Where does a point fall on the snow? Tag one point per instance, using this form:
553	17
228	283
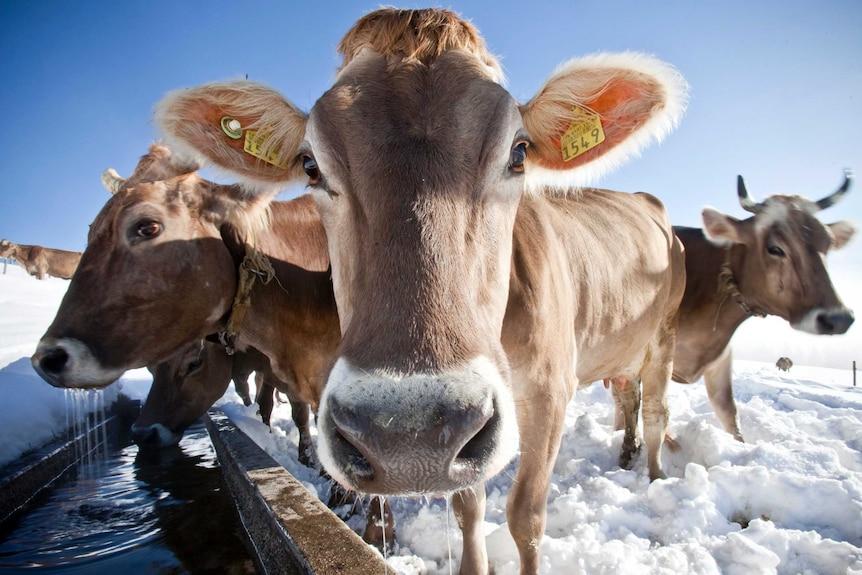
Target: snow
789	500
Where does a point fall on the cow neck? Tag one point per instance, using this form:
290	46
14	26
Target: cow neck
254	265
728	286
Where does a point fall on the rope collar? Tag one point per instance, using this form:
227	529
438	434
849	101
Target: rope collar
254	265
729	286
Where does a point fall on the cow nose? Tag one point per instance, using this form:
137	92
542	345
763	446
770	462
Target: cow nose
420	434
50	363
834	322
146	435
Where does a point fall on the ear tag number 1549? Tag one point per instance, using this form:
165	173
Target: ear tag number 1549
585	131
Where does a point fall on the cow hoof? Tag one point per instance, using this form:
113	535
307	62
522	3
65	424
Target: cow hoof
306	457
628	455
657	475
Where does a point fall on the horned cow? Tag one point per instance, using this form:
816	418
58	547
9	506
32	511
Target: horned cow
772	263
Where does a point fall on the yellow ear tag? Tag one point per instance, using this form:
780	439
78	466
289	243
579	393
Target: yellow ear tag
254	144
585	131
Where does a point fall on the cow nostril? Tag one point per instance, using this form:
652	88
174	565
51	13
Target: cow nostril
54	360
480	444
355	465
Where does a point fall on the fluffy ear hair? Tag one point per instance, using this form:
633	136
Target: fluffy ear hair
720	229
842	233
638	99
196	122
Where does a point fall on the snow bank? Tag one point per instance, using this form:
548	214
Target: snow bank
787	501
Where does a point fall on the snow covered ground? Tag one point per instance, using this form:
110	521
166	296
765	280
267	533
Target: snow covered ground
787	501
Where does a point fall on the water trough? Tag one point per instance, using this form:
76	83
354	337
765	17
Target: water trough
290	529
22	480
287	529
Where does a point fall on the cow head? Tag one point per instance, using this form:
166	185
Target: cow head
783	249
155	259
184	387
417	158
8	249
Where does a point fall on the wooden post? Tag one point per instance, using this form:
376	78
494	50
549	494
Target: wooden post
854	373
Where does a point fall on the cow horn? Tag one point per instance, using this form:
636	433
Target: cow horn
835	196
112	180
746	201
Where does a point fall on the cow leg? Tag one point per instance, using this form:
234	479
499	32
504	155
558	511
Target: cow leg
265	400
300	413
627	402
719	388
656	373
469	507
240	384
541	423
379	525
619	411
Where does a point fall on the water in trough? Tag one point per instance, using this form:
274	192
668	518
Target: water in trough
125	510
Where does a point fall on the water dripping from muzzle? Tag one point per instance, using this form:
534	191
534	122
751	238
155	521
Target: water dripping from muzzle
448	530
86	429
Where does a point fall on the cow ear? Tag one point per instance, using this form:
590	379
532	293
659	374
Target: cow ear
720	229
842	233
242	127
596	113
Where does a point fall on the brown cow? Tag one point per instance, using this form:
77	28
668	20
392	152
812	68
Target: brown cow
114	317
39	261
186	385
769	264
465	327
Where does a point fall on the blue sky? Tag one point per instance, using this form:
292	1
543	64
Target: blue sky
776	90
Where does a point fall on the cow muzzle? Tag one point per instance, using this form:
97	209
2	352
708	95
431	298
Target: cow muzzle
832	321
419	434
155	435
69	363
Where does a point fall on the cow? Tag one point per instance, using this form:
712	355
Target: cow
186	385
772	263
466	329
114	318
39	261
784	363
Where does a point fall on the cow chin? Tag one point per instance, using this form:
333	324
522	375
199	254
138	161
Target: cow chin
821	321
69	363
418	434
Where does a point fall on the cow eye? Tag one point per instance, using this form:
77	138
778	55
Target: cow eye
148	229
194	365
311	169
776	251
519	157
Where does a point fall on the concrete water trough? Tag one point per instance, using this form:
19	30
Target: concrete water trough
290	529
